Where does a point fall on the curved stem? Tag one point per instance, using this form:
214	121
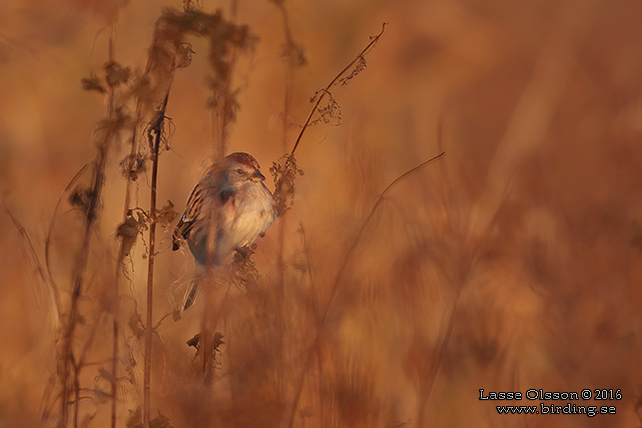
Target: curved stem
335	284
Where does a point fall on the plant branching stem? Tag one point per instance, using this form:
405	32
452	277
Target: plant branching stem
326	90
80	268
78	275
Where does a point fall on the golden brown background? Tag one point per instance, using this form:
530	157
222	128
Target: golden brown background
515	262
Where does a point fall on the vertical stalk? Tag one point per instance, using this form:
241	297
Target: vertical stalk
155	134
79	274
115	303
98	180
150	285
150	282
221	117
287	103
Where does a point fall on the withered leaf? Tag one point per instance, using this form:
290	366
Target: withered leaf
92	83
116	74
166	214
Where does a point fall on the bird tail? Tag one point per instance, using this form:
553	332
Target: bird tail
191	294
176	239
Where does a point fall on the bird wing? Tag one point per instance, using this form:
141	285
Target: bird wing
192	210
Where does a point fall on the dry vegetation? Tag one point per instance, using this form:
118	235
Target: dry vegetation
396	282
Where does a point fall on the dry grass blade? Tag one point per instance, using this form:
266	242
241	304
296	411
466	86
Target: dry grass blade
53	220
335	285
54	293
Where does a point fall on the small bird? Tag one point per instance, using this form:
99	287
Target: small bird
228	209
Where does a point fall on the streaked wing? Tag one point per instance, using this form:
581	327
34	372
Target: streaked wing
192	210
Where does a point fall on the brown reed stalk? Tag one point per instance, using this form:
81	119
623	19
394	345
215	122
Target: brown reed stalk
293	57
115	303
155	135
335	285
126	232
317	318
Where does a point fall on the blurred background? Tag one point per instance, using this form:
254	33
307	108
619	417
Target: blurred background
514	262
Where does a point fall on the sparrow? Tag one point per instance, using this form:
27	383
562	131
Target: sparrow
228	209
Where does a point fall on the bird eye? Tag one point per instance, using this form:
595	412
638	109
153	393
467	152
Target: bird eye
239	171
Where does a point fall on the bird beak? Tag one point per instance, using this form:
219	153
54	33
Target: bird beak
257	176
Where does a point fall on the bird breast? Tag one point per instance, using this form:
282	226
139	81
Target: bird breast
254	211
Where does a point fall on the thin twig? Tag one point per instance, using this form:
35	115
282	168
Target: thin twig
326	90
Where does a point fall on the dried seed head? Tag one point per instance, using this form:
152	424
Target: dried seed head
133	165
284	171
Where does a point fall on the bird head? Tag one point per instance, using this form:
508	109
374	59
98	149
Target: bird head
241	168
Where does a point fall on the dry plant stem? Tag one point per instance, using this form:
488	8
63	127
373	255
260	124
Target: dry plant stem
115	302
50	231
220	120
79	363
428	383
214	303
121	254
77	369
98	181
114	364
155	133
209	307
117	273
335	284
78	274
326	90
316	347
287	102
316	300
